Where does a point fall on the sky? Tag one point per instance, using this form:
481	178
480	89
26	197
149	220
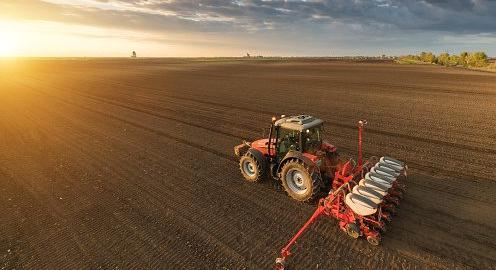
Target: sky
182	28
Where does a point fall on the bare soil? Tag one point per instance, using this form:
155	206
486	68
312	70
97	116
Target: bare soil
120	163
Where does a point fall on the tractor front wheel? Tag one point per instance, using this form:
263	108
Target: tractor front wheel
374	240
252	169
352	230
300	181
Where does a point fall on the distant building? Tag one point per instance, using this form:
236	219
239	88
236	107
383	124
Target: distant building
248	55
133	55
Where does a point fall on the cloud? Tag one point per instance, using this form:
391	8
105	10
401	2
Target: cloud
457	16
276	23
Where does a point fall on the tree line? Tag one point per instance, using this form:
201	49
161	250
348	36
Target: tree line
464	59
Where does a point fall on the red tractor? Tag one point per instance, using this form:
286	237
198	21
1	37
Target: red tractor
295	153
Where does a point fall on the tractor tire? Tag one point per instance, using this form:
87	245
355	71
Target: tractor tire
374	240
301	182
252	169
352	230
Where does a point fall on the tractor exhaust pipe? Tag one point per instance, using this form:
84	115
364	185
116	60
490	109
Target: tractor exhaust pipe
273	121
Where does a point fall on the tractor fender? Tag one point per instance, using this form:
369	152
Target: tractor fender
294	155
240	150
259	156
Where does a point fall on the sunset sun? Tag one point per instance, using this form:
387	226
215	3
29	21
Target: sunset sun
8	40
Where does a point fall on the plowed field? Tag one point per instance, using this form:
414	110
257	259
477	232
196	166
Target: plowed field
120	163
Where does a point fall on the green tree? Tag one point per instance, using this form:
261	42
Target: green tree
477	59
427	57
463	59
454	60
443	59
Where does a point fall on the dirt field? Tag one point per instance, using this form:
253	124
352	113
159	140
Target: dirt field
108	163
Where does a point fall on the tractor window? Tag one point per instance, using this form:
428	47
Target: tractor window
287	140
312	139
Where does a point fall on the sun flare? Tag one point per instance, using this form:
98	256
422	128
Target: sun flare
8	40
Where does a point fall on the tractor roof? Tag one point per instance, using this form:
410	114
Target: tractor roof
299	122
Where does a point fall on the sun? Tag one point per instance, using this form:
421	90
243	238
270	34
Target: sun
7	48
8	40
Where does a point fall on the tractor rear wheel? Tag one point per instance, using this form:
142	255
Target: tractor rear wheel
300	181
252	169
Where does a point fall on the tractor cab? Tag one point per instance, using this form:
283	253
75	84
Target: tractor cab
301	133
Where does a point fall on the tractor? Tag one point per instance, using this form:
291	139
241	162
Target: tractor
295	153
363	196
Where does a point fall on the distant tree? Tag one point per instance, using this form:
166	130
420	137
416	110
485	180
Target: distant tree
477	59
443	59
411	57
453	60
463	59
133	55
423	56
427	57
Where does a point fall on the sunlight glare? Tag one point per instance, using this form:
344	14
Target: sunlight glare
8	39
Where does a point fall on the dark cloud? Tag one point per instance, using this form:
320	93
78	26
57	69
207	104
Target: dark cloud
456	16
459	16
